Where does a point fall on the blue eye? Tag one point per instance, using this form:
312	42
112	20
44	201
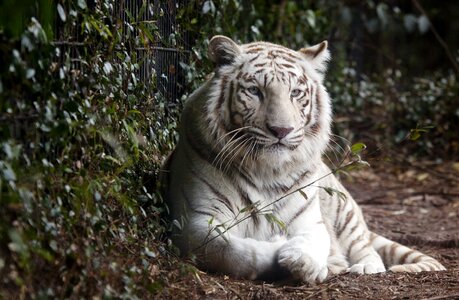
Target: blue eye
254	91
295	93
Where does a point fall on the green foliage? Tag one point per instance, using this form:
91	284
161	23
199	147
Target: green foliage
82	140
392	109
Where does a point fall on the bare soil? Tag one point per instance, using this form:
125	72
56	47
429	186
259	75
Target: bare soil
417	206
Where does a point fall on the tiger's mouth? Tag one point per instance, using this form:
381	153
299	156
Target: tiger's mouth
276	146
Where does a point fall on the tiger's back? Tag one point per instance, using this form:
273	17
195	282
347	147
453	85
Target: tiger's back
246	178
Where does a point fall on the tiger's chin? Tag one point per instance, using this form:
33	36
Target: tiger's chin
275	154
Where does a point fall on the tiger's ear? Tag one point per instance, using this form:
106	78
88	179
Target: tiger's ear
318	55
223	50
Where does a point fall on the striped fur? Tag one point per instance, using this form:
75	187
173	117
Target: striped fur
255	133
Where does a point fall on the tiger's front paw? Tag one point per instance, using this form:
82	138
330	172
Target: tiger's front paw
293	257
367	268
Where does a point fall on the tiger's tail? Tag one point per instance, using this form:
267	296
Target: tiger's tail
399	258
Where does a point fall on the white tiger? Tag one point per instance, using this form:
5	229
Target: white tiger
252	134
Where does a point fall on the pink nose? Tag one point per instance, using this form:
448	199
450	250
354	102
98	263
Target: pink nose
280	132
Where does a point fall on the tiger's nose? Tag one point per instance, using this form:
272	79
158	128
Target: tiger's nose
280	132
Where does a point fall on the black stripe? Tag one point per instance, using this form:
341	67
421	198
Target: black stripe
221	97
300	177
338	210
403	258
222	198
353	229
199	147
260	64
289	59
288	65
361	258
254	50
348	219
393	247
299	212
203	213
255	57
353	243
217	209
246	177
244	197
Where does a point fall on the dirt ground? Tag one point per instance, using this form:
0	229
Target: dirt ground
417	206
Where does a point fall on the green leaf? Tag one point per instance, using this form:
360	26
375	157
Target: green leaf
331	191
221	233
274	220
305	196
357	148
416	133
211	220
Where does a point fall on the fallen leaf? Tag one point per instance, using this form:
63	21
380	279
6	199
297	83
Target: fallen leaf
422	176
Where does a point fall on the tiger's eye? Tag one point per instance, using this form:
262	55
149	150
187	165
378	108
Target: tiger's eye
254	91
295	93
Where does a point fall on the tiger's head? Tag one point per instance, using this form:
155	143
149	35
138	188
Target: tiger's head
268	100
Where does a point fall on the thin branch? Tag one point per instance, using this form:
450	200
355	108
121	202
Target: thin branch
249	215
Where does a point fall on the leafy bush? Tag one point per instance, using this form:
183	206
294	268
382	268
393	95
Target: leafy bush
82	142
385	109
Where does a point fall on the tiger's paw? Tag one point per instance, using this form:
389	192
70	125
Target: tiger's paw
367	268
302	266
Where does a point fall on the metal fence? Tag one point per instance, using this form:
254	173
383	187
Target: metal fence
158	61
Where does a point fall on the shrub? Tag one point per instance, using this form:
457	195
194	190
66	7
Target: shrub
82	142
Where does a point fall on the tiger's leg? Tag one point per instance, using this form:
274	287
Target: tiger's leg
228	253
337	262
354	238
306	252
399	258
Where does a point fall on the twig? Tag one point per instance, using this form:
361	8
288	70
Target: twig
220	286
437	36
235	292
297	288
321	291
